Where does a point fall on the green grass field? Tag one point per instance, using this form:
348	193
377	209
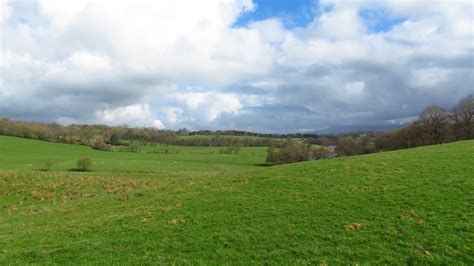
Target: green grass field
25	154
200	207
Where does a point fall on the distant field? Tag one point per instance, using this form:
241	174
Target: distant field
199	207
25	154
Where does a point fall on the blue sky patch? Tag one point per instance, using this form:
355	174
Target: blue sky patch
379	20
293	13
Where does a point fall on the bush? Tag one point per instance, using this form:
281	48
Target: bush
98	143
134	147
114	139
293	152
232	149
48	165
322	153
84	164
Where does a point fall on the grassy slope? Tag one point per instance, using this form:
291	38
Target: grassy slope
411	206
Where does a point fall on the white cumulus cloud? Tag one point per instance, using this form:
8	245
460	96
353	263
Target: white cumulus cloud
138	115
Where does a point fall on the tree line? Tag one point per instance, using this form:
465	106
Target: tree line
97	136
103	137
185	132
228	141
435	125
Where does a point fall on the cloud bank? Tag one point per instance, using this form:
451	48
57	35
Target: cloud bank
177	63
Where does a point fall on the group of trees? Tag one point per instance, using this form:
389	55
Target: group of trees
185	132
96	136
294	151
435	125
103	137
228	141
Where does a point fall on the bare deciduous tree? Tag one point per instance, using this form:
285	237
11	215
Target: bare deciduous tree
463	116
434	121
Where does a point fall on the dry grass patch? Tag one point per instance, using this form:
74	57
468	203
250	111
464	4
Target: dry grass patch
60	187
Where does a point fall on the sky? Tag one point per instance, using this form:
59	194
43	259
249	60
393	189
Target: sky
264	65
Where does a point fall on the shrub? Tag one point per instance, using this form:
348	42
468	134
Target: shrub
293	152
133	147
322	153
98	143
114	139
232	149
84	164
48	164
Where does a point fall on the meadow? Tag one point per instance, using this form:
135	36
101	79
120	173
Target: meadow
26	154
198	206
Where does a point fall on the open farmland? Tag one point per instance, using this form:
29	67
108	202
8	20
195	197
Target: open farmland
25	154
237	132
199	206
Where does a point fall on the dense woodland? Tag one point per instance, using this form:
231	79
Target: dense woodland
435	125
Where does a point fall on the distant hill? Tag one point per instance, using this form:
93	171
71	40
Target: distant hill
341	129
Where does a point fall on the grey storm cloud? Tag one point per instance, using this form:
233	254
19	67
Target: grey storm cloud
270	118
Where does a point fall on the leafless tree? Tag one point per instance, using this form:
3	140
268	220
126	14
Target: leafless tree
434	121
463	116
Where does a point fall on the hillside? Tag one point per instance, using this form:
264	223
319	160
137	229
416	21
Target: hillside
411	206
